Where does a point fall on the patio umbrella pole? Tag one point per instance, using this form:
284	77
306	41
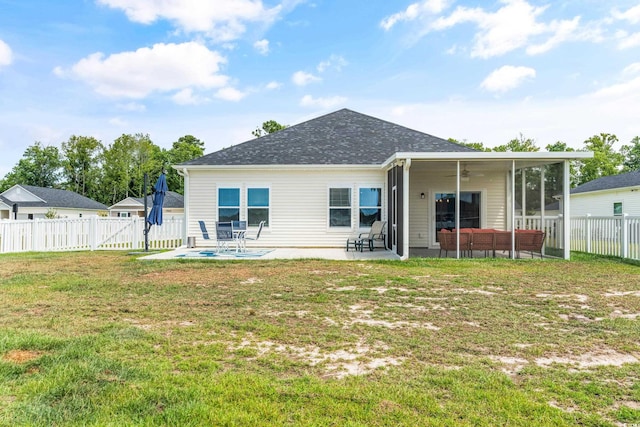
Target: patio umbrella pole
146	223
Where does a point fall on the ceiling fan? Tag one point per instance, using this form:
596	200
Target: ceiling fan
465	174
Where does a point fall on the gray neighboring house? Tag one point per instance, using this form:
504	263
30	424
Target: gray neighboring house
317	182
607	196
33	202
173	206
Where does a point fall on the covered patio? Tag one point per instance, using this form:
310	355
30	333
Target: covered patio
501	191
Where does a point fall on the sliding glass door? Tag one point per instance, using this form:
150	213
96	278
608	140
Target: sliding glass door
445	210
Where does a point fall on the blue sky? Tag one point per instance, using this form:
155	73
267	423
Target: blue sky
483	71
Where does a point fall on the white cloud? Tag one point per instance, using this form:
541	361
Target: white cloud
627	41
632	69
118	122
273	85
187	97
329	102
335	62
262	46
301	78
513	26
415	11
132	106
222	20
6	55
230	94
631	15
506	78
161	68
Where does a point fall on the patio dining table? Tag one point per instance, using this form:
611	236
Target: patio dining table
239	230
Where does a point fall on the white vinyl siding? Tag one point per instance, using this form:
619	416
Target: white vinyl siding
600	203
298	202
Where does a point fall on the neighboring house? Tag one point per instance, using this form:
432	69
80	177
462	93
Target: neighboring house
607	196
317	182
31	202
173	206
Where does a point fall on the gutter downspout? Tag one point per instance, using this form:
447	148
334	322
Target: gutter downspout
566	218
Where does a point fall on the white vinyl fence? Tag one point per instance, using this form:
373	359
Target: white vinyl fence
616	236
611	235
93	233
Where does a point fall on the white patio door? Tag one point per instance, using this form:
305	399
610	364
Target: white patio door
445	211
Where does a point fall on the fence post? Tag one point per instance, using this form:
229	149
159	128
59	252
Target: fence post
624	239
560	231
587	221
136	238
93	233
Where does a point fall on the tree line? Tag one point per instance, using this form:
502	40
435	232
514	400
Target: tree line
606	159
106	174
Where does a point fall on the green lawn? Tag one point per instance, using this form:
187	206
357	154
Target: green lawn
105	339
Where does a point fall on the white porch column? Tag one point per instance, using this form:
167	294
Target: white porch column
185	221
566	219
513	209
405	209
458	209
542	199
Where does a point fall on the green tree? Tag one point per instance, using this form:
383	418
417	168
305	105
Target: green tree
270	126
38	166
518	144
479	146
81	165
631	155
186	148
125	163
606	161
554	173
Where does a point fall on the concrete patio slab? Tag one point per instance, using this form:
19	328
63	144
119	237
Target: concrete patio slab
276	253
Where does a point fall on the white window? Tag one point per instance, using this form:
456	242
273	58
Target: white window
617	208
228	204
340	207
124	214
370	205
257	206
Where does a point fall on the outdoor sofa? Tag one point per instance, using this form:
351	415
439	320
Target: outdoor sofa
490	240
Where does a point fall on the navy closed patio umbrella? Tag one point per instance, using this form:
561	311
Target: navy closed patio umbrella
159	191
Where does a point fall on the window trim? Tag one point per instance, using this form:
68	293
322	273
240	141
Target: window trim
359	205
247	207
340	228
621	203
229	187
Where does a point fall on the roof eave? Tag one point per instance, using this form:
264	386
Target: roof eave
491	155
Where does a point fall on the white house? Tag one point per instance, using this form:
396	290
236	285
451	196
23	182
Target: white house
173	206
31	202
317	182
607	196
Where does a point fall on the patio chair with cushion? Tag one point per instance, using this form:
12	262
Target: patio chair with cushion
375	234
224	235
482	240
257	236
529	240
448	242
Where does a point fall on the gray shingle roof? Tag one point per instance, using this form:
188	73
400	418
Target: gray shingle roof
343	137
171	200
54	198
629	179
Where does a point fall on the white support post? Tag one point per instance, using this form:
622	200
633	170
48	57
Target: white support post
567	211
542	200
523	211
513	210
405	210
458	209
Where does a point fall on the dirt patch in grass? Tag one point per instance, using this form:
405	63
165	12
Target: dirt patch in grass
21	356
